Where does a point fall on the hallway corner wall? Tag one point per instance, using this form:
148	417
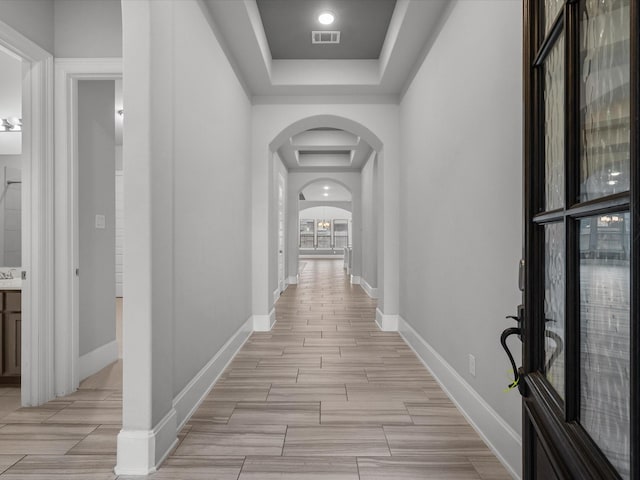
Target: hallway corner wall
187	217
461	209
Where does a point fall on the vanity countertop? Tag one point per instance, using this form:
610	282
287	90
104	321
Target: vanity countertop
14	283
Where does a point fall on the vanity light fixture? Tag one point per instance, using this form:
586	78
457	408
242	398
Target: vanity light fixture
10	124
326	18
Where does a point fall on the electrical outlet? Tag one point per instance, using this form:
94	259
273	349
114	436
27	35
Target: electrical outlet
472	365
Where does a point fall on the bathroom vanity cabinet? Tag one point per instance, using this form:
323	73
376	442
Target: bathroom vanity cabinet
10	336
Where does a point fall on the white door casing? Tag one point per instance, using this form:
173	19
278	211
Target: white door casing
281	233
37	216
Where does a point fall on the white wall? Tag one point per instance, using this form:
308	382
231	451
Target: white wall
370	223
32	18
87	28
96	196
461	201
325	213
187	220
269	122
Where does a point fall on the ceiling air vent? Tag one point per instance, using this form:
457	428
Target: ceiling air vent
325	36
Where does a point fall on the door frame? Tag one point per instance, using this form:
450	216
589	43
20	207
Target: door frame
68	71
282	235
37	376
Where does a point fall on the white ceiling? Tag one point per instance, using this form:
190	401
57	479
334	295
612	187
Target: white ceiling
238	26
325	150
362	25
315	192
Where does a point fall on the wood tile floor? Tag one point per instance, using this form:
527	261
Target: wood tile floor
324	396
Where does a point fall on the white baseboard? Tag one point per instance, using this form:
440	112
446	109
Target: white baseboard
140	452
355	279
264	323
292	280
191	396
385	322
97	359
503	440
371	291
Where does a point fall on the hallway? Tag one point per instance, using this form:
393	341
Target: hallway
325	394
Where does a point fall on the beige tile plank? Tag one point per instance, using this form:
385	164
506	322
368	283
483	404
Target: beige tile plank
224	440
307	393
430	439
435	414
8	460
197	468
364	413
82	412
297	468
63	467
335	441
414	468
101	441
489	468
276	413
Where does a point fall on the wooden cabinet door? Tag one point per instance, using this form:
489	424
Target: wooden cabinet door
11	343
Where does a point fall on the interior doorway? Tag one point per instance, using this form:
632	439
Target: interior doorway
96	214
92	83
281	234
11	162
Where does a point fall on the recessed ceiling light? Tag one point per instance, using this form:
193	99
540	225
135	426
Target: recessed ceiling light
612	182
615	174
326	187
326	194
326	18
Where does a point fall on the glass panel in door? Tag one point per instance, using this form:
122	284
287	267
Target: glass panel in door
604	98
554	126
554	300
551	10
605	335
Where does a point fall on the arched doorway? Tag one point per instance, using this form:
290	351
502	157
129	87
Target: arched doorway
328	148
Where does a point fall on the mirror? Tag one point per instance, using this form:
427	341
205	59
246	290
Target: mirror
11	217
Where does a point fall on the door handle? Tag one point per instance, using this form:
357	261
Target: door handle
503	341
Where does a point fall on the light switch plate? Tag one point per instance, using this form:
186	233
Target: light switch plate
101	222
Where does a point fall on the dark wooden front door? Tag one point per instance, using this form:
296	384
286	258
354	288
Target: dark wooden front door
581	240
